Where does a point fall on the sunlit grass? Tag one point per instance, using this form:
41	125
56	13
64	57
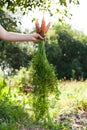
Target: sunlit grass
73	98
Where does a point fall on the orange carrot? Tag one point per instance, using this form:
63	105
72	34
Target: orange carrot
43	26
38	28
47	27
43	29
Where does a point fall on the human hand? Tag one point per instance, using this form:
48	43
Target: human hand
35	37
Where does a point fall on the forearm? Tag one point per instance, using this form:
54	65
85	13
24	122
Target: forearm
15	37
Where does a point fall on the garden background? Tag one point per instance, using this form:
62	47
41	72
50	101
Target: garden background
66	50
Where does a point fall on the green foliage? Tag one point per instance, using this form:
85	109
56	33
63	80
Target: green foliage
45	82
11	110
7	21
65	125
16	110
12	113
13	5
14	56
64	2
6	49
21	79
7	126
3	87
73	97
53	52
13	116
67	52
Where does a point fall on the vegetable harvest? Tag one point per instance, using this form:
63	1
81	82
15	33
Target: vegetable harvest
44	77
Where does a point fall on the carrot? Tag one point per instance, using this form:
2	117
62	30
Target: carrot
47	27
43	26
43	29
38	28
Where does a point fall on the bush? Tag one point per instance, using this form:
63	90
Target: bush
21	80
69	53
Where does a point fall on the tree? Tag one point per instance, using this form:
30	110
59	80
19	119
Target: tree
69	53
7	20
12	5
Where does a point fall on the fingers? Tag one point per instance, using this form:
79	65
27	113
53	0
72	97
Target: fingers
36	37
43	38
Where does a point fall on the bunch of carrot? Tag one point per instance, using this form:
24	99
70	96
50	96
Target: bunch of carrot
44	77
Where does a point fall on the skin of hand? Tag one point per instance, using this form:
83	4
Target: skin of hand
18	37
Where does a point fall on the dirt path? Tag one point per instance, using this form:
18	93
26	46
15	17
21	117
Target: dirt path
78	121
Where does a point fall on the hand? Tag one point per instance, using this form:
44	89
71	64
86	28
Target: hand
36	37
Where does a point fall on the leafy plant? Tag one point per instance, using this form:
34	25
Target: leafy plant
21	79
70	50
3	86
44	77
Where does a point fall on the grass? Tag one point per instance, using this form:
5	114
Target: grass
16	109
73	97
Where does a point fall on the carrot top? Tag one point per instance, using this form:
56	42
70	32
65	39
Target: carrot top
42	30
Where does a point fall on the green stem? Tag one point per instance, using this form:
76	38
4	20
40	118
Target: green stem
41	49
